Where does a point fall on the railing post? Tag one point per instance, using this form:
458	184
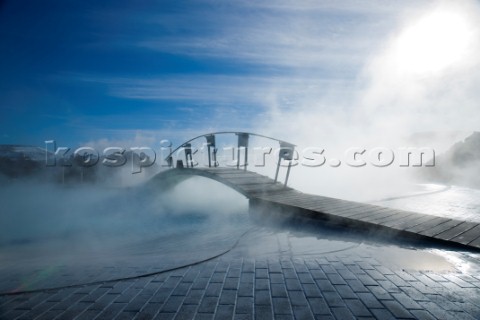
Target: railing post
211	143
246	159
242	142
278	168
285	153
288	172
215	164
188	152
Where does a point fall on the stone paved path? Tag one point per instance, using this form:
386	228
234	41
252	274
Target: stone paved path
283	285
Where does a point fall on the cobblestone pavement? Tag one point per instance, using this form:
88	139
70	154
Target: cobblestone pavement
35	266
278	274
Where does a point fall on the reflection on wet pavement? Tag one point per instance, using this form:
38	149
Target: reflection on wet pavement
191	237
50	264
271	242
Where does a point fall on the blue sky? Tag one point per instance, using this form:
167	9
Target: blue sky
83	71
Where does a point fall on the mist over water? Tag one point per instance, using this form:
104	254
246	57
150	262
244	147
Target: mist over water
34	211
54	235
86	230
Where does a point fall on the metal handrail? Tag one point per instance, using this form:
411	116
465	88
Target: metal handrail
225	132
286	149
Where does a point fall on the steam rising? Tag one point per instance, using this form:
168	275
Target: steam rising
35	211
402	90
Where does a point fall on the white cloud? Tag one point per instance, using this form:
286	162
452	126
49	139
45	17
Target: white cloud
328	35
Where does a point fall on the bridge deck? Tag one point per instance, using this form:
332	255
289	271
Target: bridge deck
264	190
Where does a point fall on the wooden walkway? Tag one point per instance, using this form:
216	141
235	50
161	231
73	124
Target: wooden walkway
263	190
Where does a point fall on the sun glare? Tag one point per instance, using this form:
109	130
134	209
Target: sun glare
433	43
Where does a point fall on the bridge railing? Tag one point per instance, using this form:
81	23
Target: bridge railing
286	151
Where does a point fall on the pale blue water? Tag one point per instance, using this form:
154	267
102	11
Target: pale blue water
91	234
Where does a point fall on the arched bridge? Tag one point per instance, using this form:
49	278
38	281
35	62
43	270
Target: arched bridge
271	196
248	183
285	151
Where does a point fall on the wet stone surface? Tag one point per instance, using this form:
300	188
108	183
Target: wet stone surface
281	272
232	265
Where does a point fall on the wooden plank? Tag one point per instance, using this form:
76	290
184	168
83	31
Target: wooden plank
304	200
272	185
238	173
401	216
280	196
232	172
261	187
456	231
243	178
349	211
411	221
377	219
267	196
475	243
274	197
221	169
301	197
374	213
347	208
246	184
315	203
223	175
258	190
327	209
339	201
338	206
440	228
397	219
467	236
228	174
250	181
285	202
308	202
431	223
362	212
299	200
366	210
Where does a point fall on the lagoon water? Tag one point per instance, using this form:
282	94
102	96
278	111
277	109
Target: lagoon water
63	237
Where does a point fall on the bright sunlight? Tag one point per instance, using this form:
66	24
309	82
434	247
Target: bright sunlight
433	43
